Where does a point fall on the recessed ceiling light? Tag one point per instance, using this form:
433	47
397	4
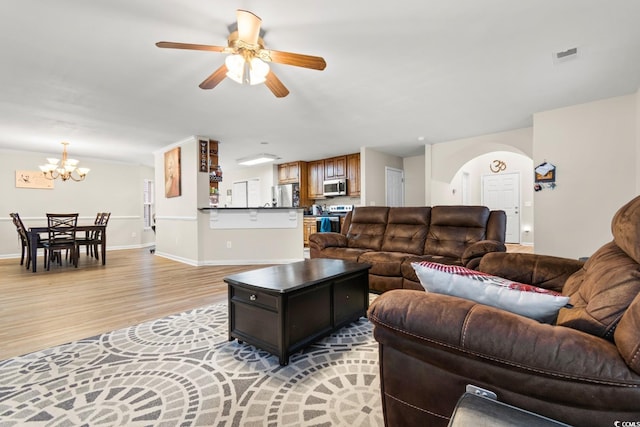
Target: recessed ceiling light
421	138
264	143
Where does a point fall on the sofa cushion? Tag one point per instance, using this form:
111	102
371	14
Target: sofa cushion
406	229
601	292
385	263
527	300
347	254
454	228
368	224
409	273
627	337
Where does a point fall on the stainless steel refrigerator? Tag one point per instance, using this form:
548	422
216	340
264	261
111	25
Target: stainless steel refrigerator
286	196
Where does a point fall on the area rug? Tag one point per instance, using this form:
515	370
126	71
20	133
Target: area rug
183	371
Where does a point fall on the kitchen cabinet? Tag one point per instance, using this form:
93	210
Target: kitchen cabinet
296	172
309	226
353	175
335	167
289	173
315	179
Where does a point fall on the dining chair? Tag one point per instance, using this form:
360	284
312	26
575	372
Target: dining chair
94	238
24	238
62	236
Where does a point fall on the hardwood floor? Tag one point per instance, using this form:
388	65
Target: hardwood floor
47	308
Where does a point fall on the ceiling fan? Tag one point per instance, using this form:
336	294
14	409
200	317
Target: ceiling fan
248	59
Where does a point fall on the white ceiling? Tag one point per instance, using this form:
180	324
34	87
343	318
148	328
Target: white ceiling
88	72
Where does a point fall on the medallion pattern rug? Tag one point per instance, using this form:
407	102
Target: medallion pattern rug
182	370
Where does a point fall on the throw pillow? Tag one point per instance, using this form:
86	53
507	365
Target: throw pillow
527	300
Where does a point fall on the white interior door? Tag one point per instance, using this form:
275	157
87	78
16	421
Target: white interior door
239	195
394	188
502	192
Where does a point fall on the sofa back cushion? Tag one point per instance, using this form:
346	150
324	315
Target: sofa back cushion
454	228
601	292
368	224
406	230
610	280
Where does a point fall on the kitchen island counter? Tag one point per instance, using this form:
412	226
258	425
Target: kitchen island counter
261	235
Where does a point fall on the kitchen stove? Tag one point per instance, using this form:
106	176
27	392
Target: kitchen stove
340	209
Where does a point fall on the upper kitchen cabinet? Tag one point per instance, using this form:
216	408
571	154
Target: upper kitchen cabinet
316	179
353	175
335	167
292	173
289	173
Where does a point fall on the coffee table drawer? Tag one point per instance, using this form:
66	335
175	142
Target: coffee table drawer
249	296
256	325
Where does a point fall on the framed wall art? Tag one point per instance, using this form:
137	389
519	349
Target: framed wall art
172	173
32	179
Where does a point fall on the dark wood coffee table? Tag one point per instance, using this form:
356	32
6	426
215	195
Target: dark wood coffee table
283	308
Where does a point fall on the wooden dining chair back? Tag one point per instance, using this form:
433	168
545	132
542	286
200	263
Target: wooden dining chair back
94	238
24	239
62	236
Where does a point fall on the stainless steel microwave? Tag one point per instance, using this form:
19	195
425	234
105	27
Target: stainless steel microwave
335	187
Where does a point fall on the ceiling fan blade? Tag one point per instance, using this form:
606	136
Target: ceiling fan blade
215	78
189	46
297	59
248	26
275	85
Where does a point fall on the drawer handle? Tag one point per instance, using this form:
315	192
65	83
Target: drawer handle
253	297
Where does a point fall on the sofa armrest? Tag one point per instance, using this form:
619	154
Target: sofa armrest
544	271
320	241
439	328
471	256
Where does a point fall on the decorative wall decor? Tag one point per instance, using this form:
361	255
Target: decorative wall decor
203	155
172	173
545	176
33	179
497	166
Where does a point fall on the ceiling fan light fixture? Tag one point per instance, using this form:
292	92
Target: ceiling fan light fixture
257	159
242	71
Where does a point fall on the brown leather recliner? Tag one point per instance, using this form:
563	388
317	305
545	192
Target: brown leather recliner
583	370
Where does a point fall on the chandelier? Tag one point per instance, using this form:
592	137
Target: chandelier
63	169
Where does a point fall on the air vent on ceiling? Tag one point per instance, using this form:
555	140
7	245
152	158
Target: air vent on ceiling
565	55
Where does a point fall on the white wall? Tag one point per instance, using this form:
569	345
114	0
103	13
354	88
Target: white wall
595	149
414	181
266	173
373	175
109	187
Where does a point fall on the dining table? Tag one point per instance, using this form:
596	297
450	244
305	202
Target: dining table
34	232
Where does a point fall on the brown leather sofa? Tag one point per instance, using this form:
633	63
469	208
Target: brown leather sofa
391	238
583	370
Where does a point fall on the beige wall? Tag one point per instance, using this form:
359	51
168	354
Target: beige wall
373	175
110	187
479	168
595	149
177	217
414	181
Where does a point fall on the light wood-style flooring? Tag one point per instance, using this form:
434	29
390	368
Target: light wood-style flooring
48	308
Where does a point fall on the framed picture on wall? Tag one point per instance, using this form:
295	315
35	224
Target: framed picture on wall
172	172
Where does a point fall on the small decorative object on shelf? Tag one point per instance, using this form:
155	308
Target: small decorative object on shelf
216	174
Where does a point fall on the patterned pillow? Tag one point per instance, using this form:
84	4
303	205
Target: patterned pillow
527	300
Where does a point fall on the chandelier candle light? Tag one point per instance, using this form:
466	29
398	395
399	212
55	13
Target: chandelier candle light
63	169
